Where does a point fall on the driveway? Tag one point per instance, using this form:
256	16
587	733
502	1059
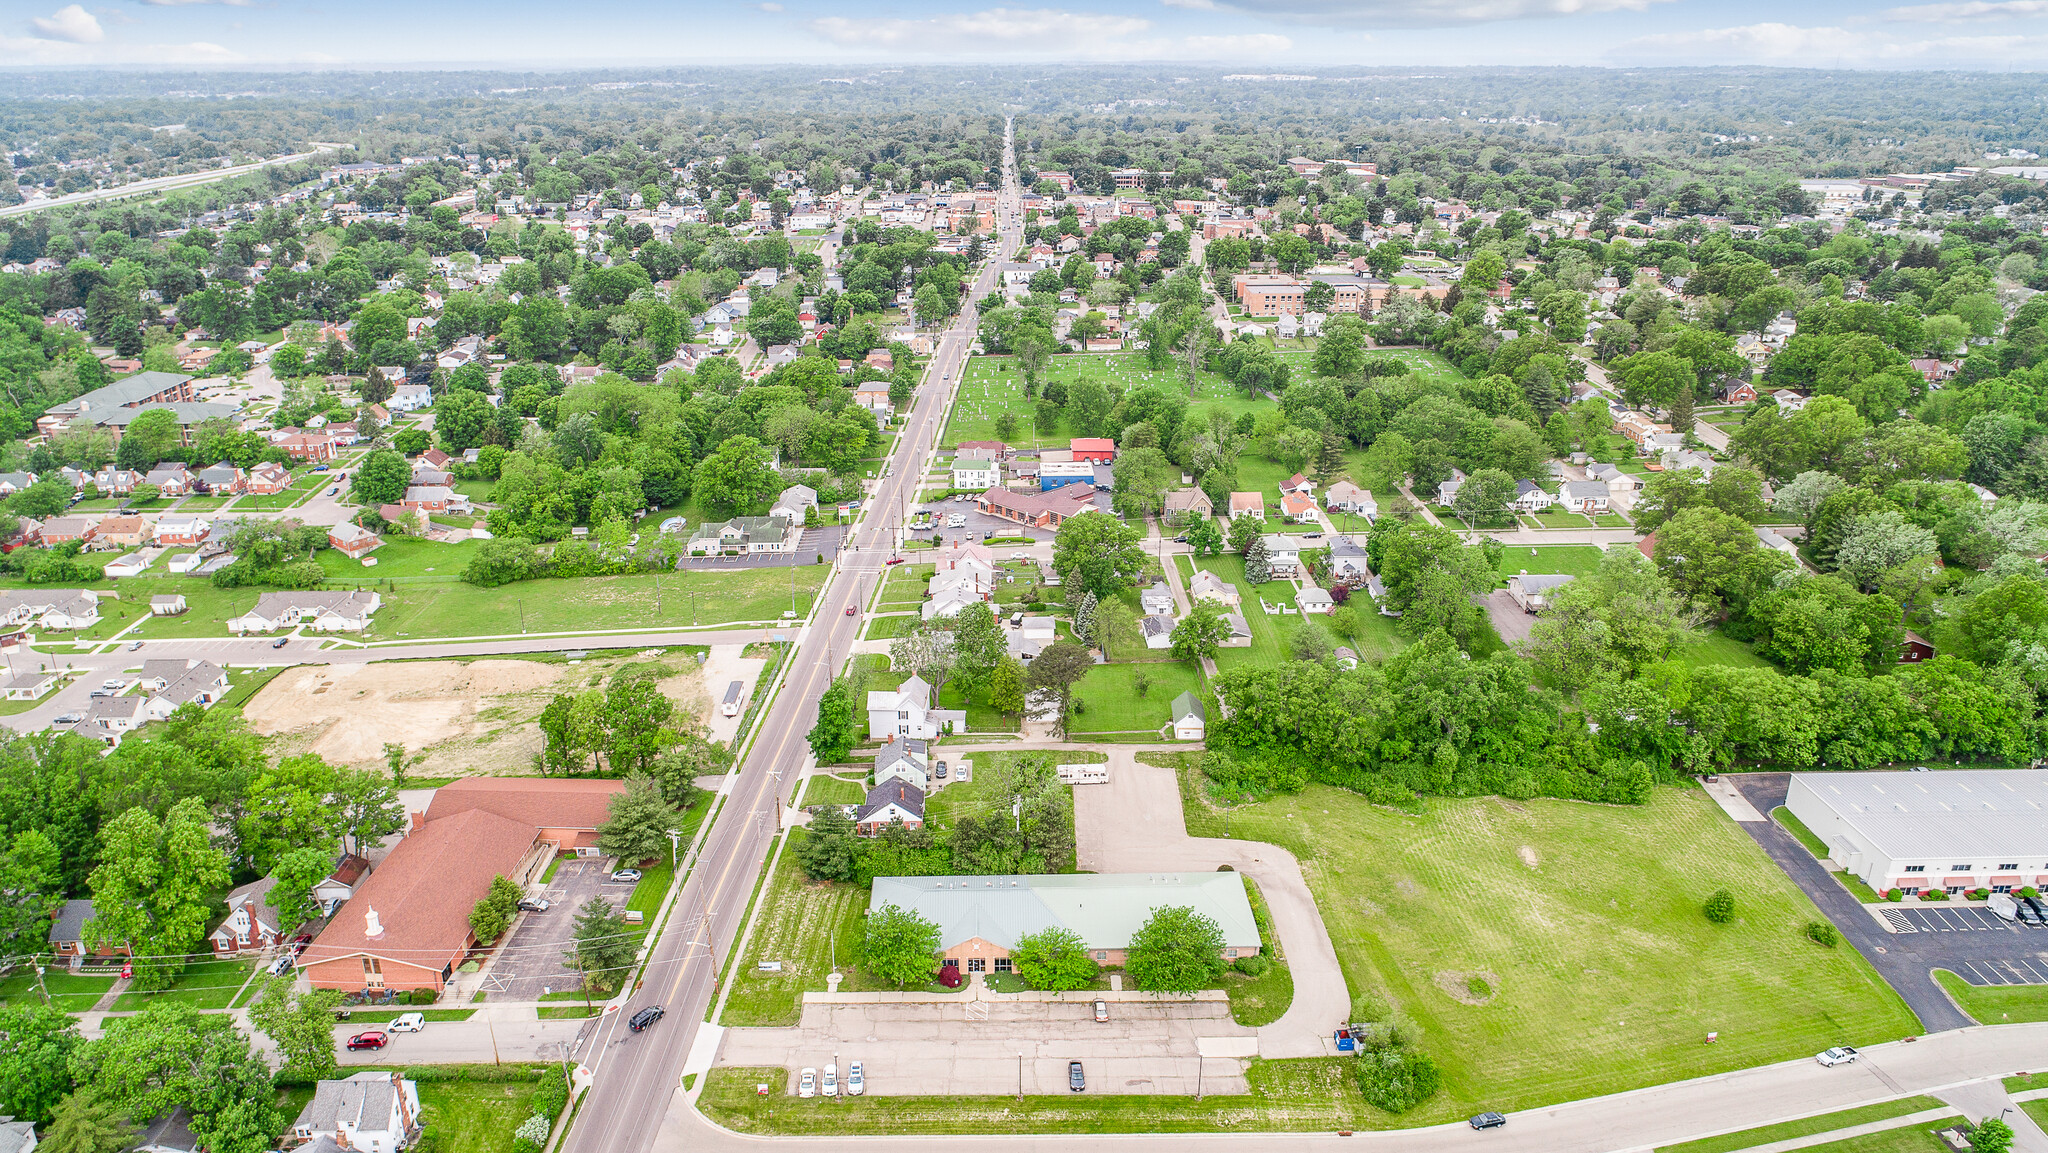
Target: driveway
531	961
1905	960
1509	620
1133	824
966	1047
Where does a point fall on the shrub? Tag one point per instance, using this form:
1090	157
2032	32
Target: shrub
1720	908
1979	894
551	1096
1895	895
2028	891
534	1129
419	997
1934	895
1822	933
1255	965
1396	1081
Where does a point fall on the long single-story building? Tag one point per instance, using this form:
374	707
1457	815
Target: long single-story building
564	812
981	918
1967	829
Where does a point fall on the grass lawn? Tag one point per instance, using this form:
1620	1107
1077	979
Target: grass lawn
1717	648
1904	1139
976	796
290	498
402	556
1612	520
1577	560
203	985
1261	1000
1298	1095
2038	1110
1378	637
474	1116
827	790
1115	703
1558	520
795	928
993	385
384	1016
1590	936
585	603
201	503
207	609
1997	1004
71	992
891	627
1806	1126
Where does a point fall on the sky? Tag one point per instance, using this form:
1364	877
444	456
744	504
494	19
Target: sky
1291	36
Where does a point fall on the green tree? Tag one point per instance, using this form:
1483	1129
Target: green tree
1114	620
1991	1135
148	439
376	324
1483	499
88	1121
381	479
1200	633
31	890
604	946
154	888
1720	908
900	945
1006	687
735	477
827	851
1058	676
1397	1080
1258	564
460	418
637	716
1141	476
978	645
1176	950
366	805
1705	552
839	725
300	1025
291	894
36	1043
637	821
1204	537
493	912
1054	959
1098	553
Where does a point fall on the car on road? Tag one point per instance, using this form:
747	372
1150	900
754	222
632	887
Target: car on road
69	719
105	693
646	1017
408	1022
112	684
335	489
534	904
133	645
1020	556
626	875
807	1083
279	642
1101	1010
856	1080
849	610
893	560
830	1086
1076	1080
370	1040
1488	1121
1839	1055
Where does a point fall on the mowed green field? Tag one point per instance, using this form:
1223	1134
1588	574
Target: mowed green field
597	603
1585	921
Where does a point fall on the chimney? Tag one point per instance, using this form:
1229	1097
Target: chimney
372	927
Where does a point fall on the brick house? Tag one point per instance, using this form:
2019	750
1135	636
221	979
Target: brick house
1037	509
353	540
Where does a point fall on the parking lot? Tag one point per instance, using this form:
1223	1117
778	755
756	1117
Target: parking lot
964	1047
531	962
1979	946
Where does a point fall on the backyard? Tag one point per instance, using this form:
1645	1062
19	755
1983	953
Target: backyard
1589	941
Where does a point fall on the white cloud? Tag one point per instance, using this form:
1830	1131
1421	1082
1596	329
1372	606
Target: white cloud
1971	10
34	50
1196	5
769	7
1771	43
1428	13
73	23
188	3
1236	47
1048	30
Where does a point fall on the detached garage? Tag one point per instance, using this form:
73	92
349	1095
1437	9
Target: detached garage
1972	829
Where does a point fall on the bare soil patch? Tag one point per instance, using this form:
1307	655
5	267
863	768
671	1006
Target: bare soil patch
1468	988
1529	856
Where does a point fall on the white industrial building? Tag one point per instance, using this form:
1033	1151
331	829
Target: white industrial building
1973	829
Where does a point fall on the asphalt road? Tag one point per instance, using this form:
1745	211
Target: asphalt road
152	186
636	1074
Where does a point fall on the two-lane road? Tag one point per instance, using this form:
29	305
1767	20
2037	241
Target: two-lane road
636	1074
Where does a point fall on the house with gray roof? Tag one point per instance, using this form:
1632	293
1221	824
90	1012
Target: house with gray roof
1588	496
67	934
17	1136
372	1112
322	611
1533	593
747	535
1190	719
894	801
981	919
251	924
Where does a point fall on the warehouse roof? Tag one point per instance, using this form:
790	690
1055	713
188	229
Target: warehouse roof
1963	814
1104	909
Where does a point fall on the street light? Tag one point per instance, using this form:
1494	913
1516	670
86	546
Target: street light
674	835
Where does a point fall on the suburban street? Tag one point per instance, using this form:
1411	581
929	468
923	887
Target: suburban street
637	1074
153	186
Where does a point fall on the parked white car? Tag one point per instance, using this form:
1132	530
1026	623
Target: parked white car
831	1088
408	1023
1839	1055
807	1083
856	1080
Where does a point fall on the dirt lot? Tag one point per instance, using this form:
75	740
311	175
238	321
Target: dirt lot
470	718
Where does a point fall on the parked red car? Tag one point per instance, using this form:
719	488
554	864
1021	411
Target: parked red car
370	1040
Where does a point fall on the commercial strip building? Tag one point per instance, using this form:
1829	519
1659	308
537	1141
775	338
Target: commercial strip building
981	919
1970	829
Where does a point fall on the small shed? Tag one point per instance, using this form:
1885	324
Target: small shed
167	606
1190	720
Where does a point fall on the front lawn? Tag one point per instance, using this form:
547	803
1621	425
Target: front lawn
71	992
830	790
1579	560
401	556
1261	1000
795	926
1584	923
1996	1004
203	985
474	1116
1131	698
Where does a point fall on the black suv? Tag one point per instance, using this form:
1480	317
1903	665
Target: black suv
1488	1121
1076	1081
2039	908
645	1017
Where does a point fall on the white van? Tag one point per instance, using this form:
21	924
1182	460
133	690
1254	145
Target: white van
731	708
957	520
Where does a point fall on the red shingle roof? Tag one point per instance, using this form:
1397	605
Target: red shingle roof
539	802
424	890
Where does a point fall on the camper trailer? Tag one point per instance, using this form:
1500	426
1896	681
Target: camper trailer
733	699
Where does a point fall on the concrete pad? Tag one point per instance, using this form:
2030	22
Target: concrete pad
1227	1046
1733	802
722	666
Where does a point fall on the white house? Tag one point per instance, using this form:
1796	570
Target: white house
979	475
1949	830
1583	496
953	590
1533	593
793	501
902	712
409	397
1190	720
251	924
1157	629
1207	586
134	564
204	683
321	611
1283	554
368	1112
1157	599
1530	497
1615	479
1347	497
1310	599
904	761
